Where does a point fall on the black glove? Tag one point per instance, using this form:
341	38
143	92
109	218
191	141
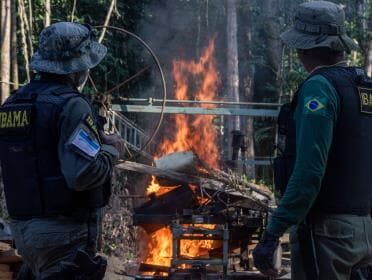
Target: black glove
263	254
81	267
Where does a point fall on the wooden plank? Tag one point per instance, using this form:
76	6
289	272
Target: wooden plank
151	170
178	161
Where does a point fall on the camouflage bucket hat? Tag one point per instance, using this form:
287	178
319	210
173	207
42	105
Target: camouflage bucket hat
319	24
67	47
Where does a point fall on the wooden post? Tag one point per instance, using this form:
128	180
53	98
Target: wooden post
14	49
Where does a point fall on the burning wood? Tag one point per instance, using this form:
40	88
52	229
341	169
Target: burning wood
178	161
205	198
195	208
216	181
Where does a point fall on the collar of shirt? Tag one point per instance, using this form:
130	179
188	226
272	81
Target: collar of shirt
342	63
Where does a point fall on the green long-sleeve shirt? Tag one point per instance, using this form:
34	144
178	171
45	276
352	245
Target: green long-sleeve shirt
315	118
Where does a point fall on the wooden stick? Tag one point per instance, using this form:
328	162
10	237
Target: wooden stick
184	178
168	174
107	20
73	10
224	177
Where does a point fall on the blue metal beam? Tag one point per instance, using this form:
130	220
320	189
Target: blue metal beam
197	110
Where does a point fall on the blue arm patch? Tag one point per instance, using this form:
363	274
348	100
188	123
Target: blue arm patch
85	143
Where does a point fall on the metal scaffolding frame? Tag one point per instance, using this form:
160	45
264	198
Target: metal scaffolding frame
190	107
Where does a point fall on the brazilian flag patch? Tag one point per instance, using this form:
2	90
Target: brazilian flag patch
314	105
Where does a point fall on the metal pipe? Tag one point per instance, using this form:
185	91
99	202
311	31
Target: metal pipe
197	110
162	76
155	100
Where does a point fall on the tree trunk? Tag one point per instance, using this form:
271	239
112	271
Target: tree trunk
5	48
368	59
232	71
274	45
14	64
107	20
365	38
247	73
21	11
267	79
30	16
47	13
248	91
73	11
368	53
27	24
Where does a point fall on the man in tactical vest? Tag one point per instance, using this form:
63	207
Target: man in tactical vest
56	164
328	155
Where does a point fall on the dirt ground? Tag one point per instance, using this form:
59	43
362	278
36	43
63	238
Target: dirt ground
115	270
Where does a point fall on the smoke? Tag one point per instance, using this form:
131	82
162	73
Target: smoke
179	30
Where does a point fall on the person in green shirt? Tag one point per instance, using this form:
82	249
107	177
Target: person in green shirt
328	195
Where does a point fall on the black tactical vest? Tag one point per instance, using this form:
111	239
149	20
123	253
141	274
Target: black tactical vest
347	183
33	182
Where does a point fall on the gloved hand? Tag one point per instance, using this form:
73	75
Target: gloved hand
263	254
116	141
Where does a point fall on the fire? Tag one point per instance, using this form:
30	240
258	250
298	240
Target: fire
160	246
198	248
194	80
156	189
154	186
201	199
196	132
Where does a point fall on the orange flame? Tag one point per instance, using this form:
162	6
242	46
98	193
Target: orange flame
198	248
160	246
195	133
156	189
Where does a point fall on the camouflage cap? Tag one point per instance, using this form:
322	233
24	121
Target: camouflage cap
319	24
67	47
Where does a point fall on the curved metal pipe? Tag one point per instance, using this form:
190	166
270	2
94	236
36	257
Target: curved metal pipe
158	125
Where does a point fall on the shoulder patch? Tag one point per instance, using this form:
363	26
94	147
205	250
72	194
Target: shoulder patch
365	95
88	120
85	143
314	105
